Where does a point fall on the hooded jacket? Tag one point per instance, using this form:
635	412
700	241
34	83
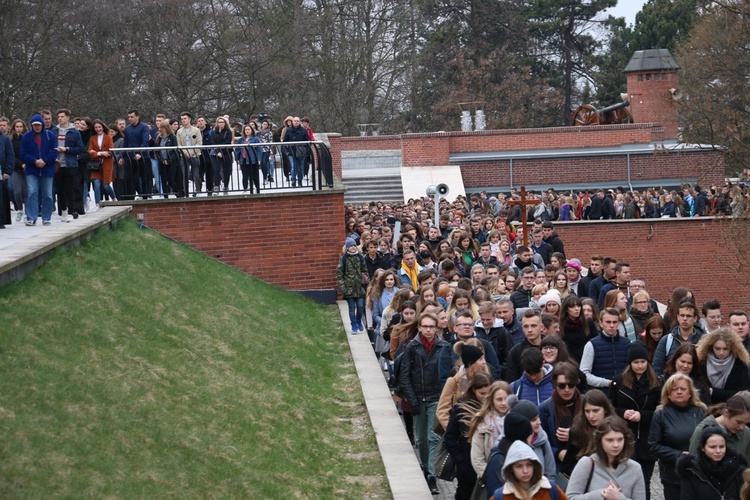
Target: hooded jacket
46	150
521	451
666	348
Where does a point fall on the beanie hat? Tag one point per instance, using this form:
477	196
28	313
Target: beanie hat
517	427
425	254
470	355
712	430
637	350
349	242
575	265
522	407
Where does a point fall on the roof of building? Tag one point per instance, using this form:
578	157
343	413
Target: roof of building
651	60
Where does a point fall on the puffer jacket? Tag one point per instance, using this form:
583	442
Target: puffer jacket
420	377
349	275
697	483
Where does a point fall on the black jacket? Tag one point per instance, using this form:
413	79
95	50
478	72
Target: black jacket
420	376
501	341
641	399
700	483
556	243
608	207
736	381
457	440
520	298
513	369
669	435
575	337
379	262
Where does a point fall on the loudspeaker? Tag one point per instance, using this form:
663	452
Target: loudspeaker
442	189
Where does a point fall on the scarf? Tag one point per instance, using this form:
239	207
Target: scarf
573	323
718	369
717	472
428	345
495	424
411	273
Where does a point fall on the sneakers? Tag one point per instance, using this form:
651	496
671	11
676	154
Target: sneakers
432	484
19	216
355	328
30	222
45	223
67	218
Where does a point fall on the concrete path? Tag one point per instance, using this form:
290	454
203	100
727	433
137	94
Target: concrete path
401	465
25	248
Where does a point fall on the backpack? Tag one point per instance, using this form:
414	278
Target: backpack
393	380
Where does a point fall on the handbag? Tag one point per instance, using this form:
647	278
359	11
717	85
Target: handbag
442	462
365	279
478	493
562	480
94	165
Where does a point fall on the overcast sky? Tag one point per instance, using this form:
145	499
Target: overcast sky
627	9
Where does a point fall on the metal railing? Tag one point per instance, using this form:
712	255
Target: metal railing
166	172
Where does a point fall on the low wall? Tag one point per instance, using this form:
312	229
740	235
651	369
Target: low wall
292	240
667	253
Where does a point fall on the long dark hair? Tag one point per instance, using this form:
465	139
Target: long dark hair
584	431
614	424
696	373
654	321
572	301
629	377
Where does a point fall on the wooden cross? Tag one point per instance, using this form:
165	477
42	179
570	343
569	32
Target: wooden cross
524	221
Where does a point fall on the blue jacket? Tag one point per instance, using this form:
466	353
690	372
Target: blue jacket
136	136
74	145
610	355
253	153
537	393
46	150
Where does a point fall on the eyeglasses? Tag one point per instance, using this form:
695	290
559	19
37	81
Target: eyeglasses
549	348
464	325
428	327
566	386
641	302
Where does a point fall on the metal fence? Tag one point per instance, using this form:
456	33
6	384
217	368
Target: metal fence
216	170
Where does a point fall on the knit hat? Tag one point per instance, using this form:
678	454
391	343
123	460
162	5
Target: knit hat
470	355
712	430
575	265
349	242
522	407
518	451
425	254
637	350
517	427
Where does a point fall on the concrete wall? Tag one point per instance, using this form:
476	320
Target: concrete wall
667	253
289	240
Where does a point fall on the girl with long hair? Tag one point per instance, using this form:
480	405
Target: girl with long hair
635	395
609	472
20	189
685	360
560	411
461	302
249	159
617	300
560	283
715	470
725	362
223	134
487	425
457	432
653	330
99	150
473	363
575	328
734	416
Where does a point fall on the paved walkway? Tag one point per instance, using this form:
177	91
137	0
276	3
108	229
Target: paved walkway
25	248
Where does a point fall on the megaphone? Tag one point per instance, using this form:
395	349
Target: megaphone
676	94
442	189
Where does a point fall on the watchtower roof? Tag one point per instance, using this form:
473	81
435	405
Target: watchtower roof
651	60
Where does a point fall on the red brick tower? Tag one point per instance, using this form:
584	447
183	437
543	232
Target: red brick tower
652	89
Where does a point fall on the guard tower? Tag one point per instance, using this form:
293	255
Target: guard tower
652	89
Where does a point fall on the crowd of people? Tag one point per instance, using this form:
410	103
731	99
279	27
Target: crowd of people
522	374
48	164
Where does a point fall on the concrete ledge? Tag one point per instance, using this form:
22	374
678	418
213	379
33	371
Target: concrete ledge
28	254
401	465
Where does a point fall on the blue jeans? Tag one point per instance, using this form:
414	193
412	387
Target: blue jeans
427	439
298	167
356	309
157	177
267	172
35	185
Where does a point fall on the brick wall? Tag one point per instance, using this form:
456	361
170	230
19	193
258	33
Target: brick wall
651	101
707	167
291	240
667	253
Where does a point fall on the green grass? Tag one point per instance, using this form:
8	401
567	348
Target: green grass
133	366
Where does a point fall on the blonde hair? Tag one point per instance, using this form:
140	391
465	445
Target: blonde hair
669	385
706	343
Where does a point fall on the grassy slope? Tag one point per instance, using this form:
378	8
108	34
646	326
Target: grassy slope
134	366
